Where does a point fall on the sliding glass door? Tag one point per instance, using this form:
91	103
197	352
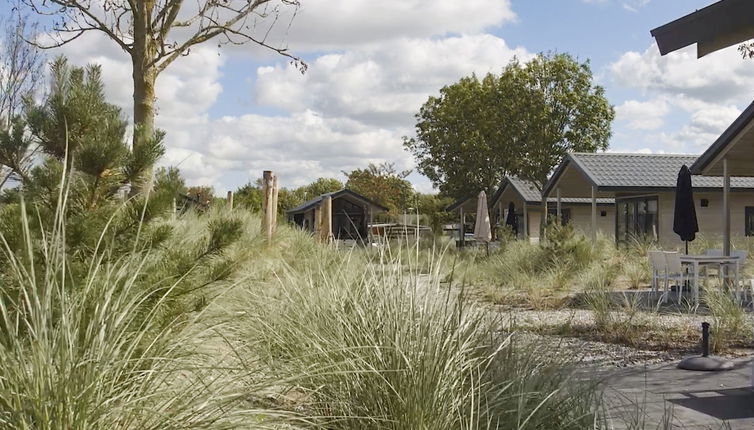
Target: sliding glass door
636	219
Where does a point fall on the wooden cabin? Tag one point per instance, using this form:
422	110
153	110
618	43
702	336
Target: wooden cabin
352	214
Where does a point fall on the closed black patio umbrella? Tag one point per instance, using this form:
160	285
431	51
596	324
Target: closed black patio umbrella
511	219
684	217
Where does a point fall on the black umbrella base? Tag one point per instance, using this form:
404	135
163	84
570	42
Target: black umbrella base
707	364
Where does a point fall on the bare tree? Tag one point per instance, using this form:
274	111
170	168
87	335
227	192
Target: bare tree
21	65
21	68
154	33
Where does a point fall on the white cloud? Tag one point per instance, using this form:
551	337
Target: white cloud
352	107
642	115
707	92
722	78
704	127
383	84
341	24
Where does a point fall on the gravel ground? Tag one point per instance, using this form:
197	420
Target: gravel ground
531	324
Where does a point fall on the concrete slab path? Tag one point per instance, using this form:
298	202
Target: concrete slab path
671	398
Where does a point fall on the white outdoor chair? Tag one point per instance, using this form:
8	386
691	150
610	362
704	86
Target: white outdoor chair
676	272
658	267
733	270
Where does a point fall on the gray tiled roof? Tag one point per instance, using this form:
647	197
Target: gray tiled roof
614	170
531	194
318	200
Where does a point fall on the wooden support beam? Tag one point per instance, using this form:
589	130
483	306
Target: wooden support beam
462	229
559	214
268	186
594	214
726	208
274	214
326	220
230	200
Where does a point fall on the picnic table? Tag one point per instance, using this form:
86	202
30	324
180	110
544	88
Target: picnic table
708	260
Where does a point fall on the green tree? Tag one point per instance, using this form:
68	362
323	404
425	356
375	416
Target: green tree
466	138
250	195
382	184
320	186
202	193
522	122
564	112
432	206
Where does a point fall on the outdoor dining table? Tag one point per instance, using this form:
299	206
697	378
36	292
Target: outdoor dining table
706	260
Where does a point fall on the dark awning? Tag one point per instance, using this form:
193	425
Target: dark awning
717	26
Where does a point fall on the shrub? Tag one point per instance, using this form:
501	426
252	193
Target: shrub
386	348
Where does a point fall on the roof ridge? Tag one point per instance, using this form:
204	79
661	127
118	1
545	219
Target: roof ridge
634	154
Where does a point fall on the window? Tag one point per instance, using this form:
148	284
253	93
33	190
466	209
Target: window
565	214
705	203
603	213
636	218
749	229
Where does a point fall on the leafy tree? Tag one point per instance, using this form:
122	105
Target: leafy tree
170	179
203	194
319	187
432	206
154	33
465	137
522	122
382	184
563	112
250	195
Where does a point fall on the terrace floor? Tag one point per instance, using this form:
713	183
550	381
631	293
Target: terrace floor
669	397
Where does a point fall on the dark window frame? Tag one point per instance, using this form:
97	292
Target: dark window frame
631	233
749	221
565	214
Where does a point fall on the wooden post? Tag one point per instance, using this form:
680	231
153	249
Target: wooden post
230	200
175	210
594	214
274	215
326	220
726	208
461	229
370	224
559	213
317	227
267	204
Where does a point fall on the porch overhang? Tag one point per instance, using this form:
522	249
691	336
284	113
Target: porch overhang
712	28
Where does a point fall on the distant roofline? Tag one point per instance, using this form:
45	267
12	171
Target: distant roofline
335	194
574	158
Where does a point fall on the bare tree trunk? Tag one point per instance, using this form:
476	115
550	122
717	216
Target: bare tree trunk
144	76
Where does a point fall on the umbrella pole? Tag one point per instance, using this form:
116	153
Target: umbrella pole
687	247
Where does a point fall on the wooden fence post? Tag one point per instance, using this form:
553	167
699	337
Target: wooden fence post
268	204
326	220
274	214
230	200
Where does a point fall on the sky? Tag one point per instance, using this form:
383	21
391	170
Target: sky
230	113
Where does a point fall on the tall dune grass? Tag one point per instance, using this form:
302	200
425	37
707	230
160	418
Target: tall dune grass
95	345
381	346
